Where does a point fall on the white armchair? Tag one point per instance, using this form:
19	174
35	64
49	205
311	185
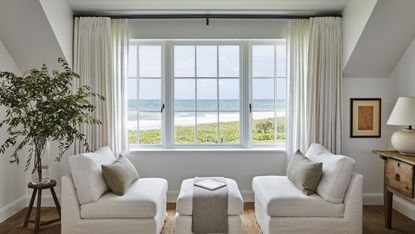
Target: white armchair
280	207
88	207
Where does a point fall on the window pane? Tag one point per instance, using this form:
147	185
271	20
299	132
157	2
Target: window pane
263	128
229	61
281	94
184	128
150	94
206	61
132	61
207	130
281	61
207	95
184	61
263	60
281	132
229	94
184	94
132	127
229	128
263	94
150	128
150	61
132	94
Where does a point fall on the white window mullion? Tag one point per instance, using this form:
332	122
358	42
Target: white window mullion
196	99
245	93
138	95
217	97
166	93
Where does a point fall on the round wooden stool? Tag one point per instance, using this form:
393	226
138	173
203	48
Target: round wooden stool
37	188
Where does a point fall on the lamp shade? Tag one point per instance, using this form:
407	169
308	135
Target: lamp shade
403	113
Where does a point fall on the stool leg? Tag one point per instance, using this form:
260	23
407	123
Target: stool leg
39	205
29	210
55	199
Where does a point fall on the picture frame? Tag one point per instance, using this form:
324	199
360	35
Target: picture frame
365	117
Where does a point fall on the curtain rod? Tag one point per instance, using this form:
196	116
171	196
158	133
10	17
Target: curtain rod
209	16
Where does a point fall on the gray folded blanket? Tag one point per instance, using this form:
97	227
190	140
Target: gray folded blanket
210	208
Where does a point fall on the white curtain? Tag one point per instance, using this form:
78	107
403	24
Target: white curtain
298	39
100	59
316	78
120	50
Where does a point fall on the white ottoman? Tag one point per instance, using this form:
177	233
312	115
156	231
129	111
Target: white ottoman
184	207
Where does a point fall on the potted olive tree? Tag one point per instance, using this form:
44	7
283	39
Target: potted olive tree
41	108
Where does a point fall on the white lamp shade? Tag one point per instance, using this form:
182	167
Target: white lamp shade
403	113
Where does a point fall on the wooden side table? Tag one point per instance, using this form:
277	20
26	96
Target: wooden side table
37	188
398	179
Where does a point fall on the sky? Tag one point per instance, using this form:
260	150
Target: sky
204	60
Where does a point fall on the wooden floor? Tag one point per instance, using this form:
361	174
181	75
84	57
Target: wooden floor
373	222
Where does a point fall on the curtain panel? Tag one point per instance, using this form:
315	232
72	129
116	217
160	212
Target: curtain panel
100	58
315	48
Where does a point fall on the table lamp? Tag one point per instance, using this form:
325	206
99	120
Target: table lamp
403	114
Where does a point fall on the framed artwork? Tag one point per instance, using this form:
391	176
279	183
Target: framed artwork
365	117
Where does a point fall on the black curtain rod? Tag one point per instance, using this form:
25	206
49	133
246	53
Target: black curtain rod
209	16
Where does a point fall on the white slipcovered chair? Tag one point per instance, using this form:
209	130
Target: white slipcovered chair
88	206
336	207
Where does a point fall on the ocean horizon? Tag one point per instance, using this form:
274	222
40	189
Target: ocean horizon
150	116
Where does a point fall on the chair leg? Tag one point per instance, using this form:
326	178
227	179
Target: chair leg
29	210
55	199
39	205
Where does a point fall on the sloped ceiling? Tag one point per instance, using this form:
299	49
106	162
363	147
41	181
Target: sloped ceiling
27	34
386	36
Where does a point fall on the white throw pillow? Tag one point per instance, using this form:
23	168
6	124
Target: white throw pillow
337	172
87	174
316	149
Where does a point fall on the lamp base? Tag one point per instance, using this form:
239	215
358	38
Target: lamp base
404	141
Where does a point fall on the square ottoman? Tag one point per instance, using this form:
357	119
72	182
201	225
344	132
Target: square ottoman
184	207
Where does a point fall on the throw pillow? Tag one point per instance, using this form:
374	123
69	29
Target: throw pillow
130	167
119	175
304	173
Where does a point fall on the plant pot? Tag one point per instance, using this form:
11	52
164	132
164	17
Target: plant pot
41	165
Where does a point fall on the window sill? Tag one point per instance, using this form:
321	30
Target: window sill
277	149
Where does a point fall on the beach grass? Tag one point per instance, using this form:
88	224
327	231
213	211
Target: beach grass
263	133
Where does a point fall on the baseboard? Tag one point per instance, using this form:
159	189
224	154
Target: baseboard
12	208
373	199
405	207
247	195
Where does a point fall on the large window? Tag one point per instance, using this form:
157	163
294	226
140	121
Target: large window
214	93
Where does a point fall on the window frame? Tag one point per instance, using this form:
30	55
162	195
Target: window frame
245	87
250	78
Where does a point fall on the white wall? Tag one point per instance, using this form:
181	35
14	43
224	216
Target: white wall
404	72
60	17
240	165
355	16
403	76
368	164
400	83
12	179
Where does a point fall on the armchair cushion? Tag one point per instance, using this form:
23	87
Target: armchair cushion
337	171
280	197
142	200
87	174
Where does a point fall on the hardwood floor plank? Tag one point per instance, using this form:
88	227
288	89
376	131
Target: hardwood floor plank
373	222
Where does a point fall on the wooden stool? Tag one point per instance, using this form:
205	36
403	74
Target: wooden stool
37	188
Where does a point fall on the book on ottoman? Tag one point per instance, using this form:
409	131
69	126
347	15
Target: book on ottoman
210	184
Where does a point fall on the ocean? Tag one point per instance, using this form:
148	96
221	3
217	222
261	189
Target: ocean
150	117
206	105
